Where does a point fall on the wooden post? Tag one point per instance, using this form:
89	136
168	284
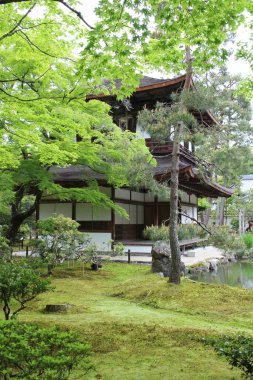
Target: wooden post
113	216
73	211
129	256
26	251
156	211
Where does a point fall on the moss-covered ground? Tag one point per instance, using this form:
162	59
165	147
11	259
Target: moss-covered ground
142	328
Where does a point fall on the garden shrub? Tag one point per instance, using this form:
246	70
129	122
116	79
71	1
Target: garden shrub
21	283
29	352
238	351
248	240
231	242
185	231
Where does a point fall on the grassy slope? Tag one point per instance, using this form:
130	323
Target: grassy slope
141	327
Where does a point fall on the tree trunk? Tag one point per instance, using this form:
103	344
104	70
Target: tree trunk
6	311
174	244
17	218
222	209
217	220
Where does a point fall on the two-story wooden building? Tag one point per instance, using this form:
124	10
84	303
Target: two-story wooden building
144	209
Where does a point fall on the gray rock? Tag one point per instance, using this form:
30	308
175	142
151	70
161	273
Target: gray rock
161	259
213	265
60	308
232	259
223	260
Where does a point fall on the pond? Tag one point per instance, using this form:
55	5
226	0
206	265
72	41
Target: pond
233	274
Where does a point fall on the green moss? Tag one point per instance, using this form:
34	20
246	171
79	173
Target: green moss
141	327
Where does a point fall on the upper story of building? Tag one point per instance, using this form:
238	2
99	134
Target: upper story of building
150	92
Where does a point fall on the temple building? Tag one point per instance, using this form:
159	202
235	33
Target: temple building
143	208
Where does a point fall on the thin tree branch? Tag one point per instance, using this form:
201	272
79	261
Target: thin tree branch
77	13
31	43
196	221
14	29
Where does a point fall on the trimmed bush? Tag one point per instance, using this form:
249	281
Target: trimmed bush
238	351
29	352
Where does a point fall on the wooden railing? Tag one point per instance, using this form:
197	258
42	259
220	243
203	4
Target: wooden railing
166	148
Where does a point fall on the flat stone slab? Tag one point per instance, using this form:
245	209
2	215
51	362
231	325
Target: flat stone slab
57	308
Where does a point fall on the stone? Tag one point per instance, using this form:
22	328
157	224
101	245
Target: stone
223	260
213	265
60	308
190	254
161	259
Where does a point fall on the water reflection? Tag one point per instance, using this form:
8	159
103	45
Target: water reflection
234	274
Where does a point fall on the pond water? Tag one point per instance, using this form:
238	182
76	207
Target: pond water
233	274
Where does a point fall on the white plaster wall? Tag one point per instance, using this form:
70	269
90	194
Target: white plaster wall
193	199
118	218
52	209
246	185
122	194
64	209
163	199
149	197
133	214
106	190
102	239
184	197
140	219
135	196
195	212
83	212
100	213
188	211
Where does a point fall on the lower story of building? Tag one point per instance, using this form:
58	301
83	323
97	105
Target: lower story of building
104	225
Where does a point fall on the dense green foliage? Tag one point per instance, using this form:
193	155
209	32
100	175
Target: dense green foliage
20	283
59	240
185	231
29	352
43	108
227	148
238	351
248	240
227	240
155	33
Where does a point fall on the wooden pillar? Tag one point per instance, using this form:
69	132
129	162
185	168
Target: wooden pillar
156	211
37	213
73	211
113	216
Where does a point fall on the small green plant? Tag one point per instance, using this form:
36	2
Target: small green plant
238	351
248	240
185	232
5	250
59	239
21	283
29	352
